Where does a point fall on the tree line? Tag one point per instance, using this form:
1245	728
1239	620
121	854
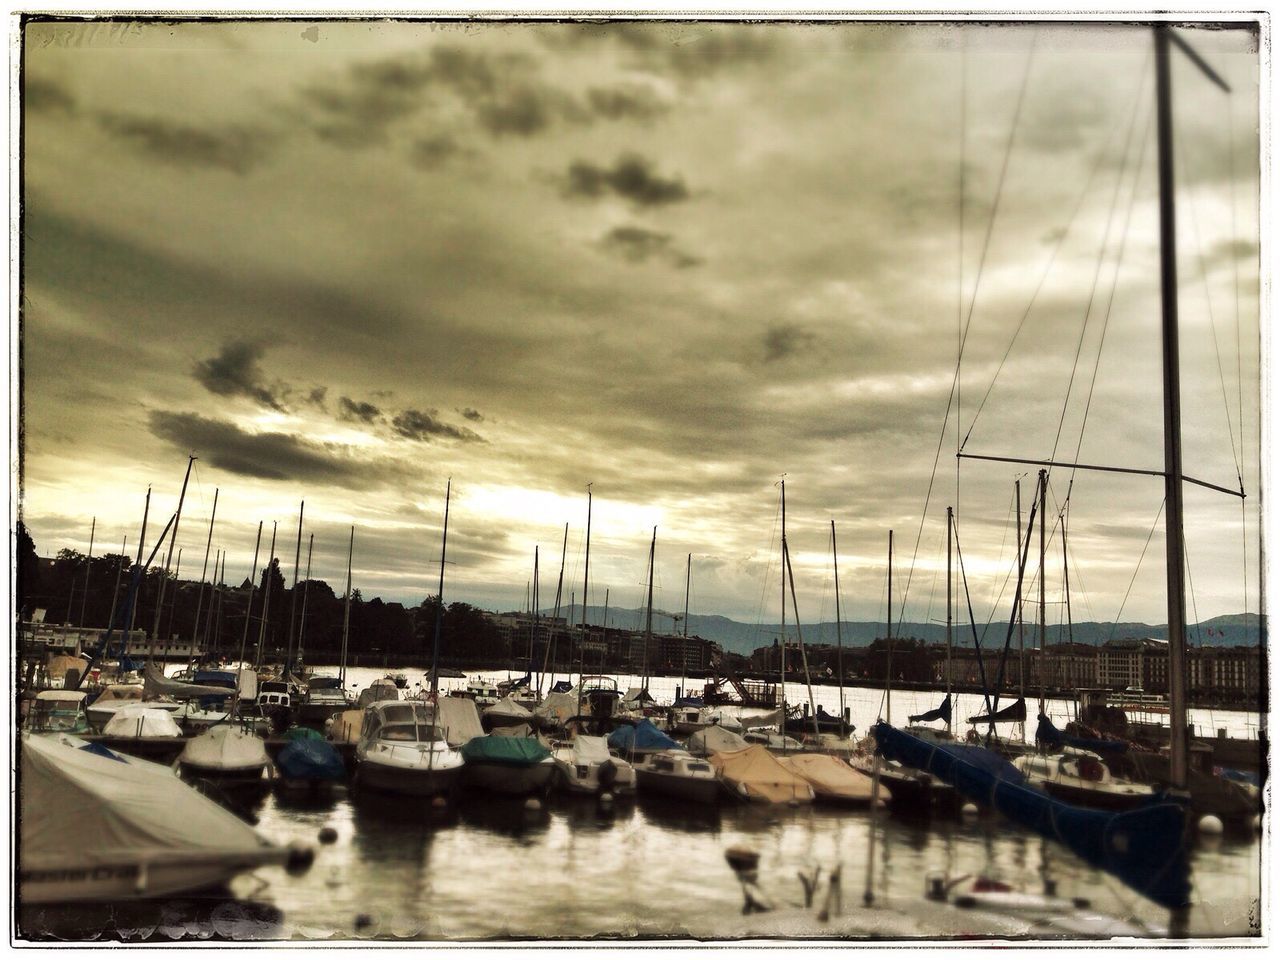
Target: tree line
73	588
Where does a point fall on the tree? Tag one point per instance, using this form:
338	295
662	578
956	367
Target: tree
28	569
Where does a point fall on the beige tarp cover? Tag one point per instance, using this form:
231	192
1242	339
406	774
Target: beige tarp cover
139	720
377	691
715	740
80	809
460	719
558	707
346	726
830	776
756	774
58	666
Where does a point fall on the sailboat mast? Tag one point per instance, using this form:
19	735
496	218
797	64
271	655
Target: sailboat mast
133	610
949	602
196	632
115	593
1044	484
346	607
1022	640
533	623
444	542
306	584
804	657
782	620
604	631
266	598
248	607
586	564
164	574
684	647
293	594
88	568
1174	562
888	635
835	569
648	612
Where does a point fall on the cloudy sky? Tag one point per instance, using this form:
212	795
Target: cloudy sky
347	261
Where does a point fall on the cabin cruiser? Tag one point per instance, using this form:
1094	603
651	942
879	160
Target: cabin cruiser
403	750
1079	777
507	712
485	694
585	765
677	774
117	695
324	698
100	826
377	692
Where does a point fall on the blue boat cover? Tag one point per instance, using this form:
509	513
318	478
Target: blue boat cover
307	759
1142	847
561	686
1016	712
688	702
215	678
643	736
1048	734
102	751
942	713
1240	776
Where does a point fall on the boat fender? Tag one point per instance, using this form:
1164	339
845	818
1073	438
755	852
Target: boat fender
328	835
608	774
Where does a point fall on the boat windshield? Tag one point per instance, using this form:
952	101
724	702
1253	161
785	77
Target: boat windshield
411	732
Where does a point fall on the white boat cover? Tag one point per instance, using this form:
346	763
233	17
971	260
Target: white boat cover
558	707
589	750
62	696
758	775
155	684
460	719
377	691
715	740
507	712
139	720
118	692
224	747
83	809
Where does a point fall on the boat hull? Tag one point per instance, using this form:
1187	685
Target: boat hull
508	779
692	789
424	782
129	881
1094	799
156	749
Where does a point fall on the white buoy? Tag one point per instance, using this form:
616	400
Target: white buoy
1210	825
533	804
606	798
969	810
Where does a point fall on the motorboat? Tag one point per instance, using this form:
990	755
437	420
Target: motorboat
322	701
58	711
399	679
584	765
116	695
507	712
100	826
715	739
378	692
403	750
143	731
833	780
1080	777
515	766
773	740
677	774
485	694
226	753
637	739
308	762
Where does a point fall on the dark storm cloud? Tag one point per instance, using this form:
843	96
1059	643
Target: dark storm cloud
45	94
234	372
227	147
432	151
690	51
629	102
317	397
267	456
632	177
358	410
471	413
525	110
417	425
782	340
638	245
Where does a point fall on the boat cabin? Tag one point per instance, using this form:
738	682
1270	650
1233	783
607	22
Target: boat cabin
401	721
58	711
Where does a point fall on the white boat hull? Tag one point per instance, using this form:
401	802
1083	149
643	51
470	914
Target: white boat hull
132	881
413	782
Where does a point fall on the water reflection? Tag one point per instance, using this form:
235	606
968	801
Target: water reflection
217	916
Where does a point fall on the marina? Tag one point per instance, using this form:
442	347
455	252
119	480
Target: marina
426	725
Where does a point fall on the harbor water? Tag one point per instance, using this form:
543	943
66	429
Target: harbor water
400	868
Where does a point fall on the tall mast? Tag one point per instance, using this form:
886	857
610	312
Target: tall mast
266	597
648	614
115	593
684	646
1044	484
549	657
782	622
195	631
949	551
293	595
133	610
248	607
533	625
346	607
1174	562
888	634
306	584
173	602
804	657
1022	640
217	620
444	542
586	566
88	568
604	631
164	574
835	570
1066	579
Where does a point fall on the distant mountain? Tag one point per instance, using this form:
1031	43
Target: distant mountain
1225	631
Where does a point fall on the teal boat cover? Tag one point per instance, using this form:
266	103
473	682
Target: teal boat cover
512	751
